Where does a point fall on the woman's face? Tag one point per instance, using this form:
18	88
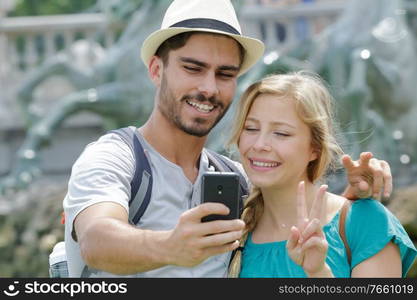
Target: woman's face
275	144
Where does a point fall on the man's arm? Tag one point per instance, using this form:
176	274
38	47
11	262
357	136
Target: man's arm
367	177
109	243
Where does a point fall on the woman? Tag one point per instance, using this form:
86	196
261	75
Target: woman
284	133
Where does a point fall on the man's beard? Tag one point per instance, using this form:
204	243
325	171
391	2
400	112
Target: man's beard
169	108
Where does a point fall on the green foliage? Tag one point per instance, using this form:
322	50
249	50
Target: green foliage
51	7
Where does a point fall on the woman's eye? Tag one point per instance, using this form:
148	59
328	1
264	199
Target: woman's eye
281	134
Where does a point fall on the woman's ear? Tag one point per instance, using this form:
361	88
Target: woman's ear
155	70
314	154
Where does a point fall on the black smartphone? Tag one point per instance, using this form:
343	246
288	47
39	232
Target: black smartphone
222	187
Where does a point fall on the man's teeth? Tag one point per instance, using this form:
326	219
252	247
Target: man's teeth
201	107
264	164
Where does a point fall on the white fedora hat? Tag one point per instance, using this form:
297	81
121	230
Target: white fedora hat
215	16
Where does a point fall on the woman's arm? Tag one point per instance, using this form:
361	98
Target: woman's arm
386	263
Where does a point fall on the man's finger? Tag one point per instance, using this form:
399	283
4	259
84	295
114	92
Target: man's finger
220	239
387	178
378	178
364	189
211	251
210	208
364	158
220	226
347	162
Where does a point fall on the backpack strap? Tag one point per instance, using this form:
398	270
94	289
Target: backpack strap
224	164
141	184
342	221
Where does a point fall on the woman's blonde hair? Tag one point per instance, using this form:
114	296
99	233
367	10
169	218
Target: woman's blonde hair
314	106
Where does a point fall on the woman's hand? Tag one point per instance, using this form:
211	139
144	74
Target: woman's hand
307	244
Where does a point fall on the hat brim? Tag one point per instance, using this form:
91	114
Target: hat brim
254	48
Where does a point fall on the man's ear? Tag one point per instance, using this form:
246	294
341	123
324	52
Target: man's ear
155	70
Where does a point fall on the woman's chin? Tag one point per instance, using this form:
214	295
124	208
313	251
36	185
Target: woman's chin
264	182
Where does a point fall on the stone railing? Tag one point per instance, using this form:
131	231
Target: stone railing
280	27
27	41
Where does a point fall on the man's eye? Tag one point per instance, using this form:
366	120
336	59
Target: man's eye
227	75
250	129
192	69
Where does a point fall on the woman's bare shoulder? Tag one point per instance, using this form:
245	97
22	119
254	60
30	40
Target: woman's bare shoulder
334	204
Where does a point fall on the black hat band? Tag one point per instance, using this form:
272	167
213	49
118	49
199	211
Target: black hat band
207	23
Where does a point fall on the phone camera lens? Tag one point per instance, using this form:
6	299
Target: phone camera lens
219	187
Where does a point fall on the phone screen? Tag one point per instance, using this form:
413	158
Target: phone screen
222	187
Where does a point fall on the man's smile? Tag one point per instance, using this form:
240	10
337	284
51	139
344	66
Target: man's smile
204	108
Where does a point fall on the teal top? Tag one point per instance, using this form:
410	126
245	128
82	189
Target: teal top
369	227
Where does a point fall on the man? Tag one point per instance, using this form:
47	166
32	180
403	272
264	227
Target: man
194	61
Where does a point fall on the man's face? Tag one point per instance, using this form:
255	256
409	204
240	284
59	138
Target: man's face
198	82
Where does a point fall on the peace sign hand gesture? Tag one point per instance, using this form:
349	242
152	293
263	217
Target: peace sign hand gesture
307	244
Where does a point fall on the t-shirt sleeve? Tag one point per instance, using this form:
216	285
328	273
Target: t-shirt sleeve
102	173
370	226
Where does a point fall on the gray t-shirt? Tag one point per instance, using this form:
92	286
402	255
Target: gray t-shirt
103	173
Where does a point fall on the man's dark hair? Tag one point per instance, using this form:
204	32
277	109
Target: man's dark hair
177	41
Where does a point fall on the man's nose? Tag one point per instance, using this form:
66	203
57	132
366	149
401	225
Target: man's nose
208	85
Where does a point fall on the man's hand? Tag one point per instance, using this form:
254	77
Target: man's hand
367	177
192	242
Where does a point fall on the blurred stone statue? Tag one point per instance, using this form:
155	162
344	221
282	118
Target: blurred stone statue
369	59
115	86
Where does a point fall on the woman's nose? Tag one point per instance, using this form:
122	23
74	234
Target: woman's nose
262	143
